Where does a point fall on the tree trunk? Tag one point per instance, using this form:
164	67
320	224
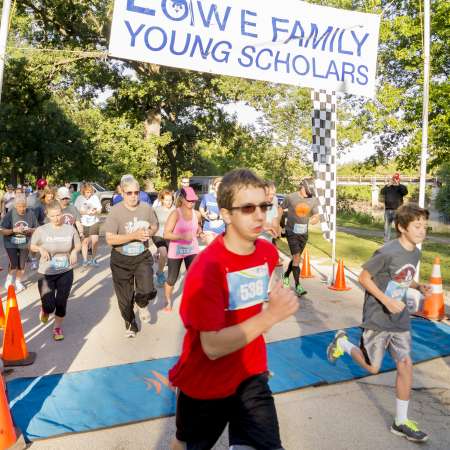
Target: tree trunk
152	124
172	167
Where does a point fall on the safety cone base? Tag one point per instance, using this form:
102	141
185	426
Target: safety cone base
21	362
433	319
334	288
304	276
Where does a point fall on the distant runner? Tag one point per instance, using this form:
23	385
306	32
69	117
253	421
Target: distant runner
213	225
128	228
302	209
182	228
58	244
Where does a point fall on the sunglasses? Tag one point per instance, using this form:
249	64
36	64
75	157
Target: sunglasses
250	209
132	193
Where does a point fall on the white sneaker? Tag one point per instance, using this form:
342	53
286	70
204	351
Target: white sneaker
19	287
9	280
144	314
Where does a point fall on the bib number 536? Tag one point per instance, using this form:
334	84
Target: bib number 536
251	290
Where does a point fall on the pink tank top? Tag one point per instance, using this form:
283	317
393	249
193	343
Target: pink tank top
180	249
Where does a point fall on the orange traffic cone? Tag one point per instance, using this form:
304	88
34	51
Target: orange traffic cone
10	438
339	283
433	304
2	316
11	296
306	266
15	351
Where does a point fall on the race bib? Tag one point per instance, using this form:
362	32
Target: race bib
248	287
89	220
300	228
183	250
19	240
133	249
59	262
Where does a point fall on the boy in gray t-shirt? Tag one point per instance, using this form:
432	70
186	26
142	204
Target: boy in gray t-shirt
386	278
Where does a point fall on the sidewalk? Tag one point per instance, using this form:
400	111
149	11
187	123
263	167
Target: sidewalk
351	415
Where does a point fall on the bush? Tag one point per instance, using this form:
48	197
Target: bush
362	193
443	197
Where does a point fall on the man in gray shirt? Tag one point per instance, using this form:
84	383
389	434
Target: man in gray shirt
301	209
128	228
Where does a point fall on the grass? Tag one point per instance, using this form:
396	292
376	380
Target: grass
355	250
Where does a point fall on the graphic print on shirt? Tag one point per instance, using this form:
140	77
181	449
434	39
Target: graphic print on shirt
398	286
135	248
67	219
20	239
248	287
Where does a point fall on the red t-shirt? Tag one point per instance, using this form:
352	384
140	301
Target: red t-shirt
222	289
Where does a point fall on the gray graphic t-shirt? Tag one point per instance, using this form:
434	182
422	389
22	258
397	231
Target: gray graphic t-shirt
299	211
59	242
13	219
122	220
392	269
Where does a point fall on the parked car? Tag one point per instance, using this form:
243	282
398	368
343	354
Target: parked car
103	195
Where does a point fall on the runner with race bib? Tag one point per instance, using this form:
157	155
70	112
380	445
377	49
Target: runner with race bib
58	245
301	208
128	228
222	373
182	228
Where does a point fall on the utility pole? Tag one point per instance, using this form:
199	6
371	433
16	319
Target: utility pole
4	25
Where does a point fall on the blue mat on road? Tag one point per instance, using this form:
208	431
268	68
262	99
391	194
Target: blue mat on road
100	398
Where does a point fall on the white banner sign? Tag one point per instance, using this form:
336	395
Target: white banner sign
284	41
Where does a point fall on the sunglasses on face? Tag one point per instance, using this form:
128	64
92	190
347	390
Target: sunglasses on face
250	208
132	193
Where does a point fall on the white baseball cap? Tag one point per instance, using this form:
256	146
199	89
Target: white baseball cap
62	192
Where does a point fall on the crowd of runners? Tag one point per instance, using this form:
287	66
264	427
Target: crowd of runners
227	239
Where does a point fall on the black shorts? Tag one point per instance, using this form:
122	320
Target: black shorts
93	230
160	242
17	257
296	242
250	413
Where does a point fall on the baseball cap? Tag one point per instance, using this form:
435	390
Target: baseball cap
62	192
189	194
396	176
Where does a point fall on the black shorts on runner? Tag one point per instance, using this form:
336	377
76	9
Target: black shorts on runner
296	242
160	242
17	257
250	413
93	230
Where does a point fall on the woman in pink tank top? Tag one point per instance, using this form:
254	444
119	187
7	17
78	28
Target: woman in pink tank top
182	228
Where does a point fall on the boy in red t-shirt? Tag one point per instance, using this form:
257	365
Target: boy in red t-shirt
222	371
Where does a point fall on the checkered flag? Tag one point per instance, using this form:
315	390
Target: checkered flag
324	158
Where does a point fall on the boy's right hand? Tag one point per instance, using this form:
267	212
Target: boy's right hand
395	306
282	303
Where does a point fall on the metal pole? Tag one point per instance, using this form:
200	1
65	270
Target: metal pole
3	39
426	93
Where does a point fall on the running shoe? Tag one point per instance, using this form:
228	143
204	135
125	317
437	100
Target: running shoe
19	287
299	290
95	263
409	430
144	314
334	350
43	316
131	329
58	334
160	278
85	263
286	282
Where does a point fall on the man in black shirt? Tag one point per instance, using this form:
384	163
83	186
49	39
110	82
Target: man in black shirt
393	194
